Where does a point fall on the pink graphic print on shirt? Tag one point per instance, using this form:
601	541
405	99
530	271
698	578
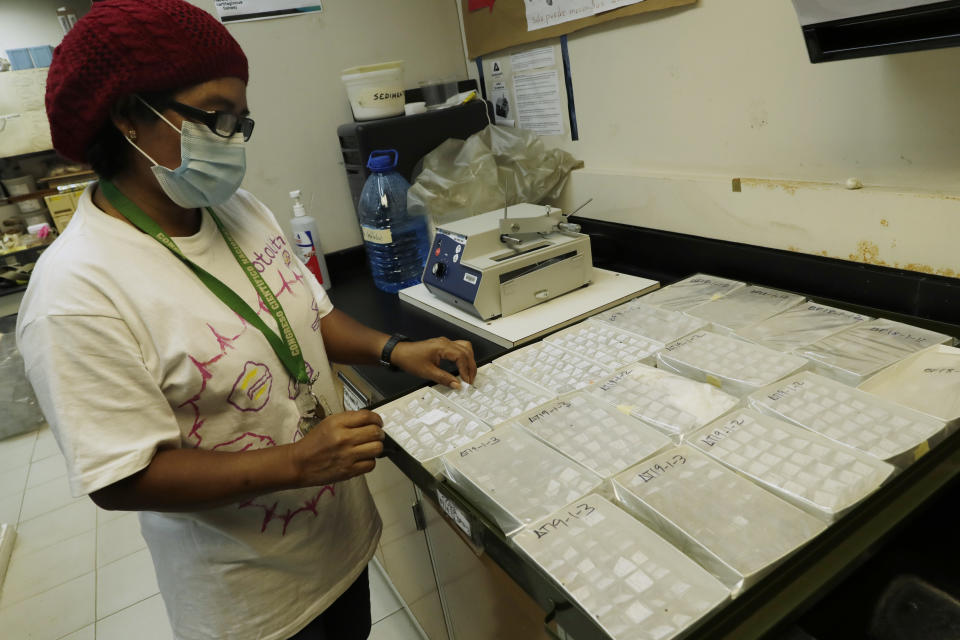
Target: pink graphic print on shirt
251	391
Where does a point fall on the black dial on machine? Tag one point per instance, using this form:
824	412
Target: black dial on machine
439	269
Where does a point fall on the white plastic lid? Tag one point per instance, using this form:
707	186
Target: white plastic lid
370	68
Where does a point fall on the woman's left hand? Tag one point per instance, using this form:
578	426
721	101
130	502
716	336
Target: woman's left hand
423	359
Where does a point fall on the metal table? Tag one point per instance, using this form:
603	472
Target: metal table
767	606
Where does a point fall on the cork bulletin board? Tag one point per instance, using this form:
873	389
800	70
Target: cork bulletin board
506	24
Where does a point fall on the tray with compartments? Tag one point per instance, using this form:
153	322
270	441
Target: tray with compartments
885	430
635	584
496	395
593	433
744	307
690	292
426	426
654	323
928	381
673	404
728	524
516	479
735	366
605	343
853	355
557	370
821	476
800	326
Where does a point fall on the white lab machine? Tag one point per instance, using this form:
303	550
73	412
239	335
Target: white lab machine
505	261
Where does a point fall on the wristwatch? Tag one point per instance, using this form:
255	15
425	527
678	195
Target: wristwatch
387	352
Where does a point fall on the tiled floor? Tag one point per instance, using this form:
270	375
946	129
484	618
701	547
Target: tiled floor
80	573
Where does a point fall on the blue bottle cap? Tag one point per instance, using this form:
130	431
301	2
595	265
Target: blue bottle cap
384	160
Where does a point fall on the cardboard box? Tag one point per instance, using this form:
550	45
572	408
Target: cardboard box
62	206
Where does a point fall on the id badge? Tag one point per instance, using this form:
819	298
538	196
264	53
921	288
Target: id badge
313	409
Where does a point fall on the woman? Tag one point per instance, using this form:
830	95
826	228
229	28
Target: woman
180	353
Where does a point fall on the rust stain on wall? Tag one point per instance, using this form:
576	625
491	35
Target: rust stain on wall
790	186
869	253
925	268
936	196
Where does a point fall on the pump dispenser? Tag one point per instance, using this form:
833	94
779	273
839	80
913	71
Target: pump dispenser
298	208
306	241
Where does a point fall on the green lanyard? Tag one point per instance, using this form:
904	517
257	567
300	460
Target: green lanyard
287	348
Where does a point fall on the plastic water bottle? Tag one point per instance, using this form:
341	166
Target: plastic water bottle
396	242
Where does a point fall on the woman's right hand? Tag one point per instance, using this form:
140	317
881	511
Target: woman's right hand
339	447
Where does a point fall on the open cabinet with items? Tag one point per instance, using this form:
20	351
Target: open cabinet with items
40	194
40	189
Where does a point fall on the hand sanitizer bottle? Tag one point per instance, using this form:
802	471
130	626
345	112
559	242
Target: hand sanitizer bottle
306	241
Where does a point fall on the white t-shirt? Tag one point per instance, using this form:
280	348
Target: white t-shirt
128	351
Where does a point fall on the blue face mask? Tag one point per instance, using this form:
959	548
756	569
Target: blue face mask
211	168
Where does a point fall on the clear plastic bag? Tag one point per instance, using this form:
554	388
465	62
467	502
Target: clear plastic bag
593	433
514	478
745	306
824	478
692	291
496	395
426	426
732	365
928	381
800	326
461	178
893	433
672	404
630	580
654	323
607	344
853	355
555	369
728	524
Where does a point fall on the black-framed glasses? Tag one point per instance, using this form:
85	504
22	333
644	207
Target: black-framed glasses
223	123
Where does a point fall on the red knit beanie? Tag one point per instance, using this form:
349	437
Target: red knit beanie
127	46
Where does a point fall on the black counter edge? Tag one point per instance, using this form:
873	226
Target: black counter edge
669	256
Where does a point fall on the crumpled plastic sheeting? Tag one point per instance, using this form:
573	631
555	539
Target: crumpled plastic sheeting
461	178
18	404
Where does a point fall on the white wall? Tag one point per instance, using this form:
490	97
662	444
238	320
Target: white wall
297	99
673	105
30	23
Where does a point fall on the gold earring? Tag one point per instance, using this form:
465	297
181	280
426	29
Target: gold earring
132	135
